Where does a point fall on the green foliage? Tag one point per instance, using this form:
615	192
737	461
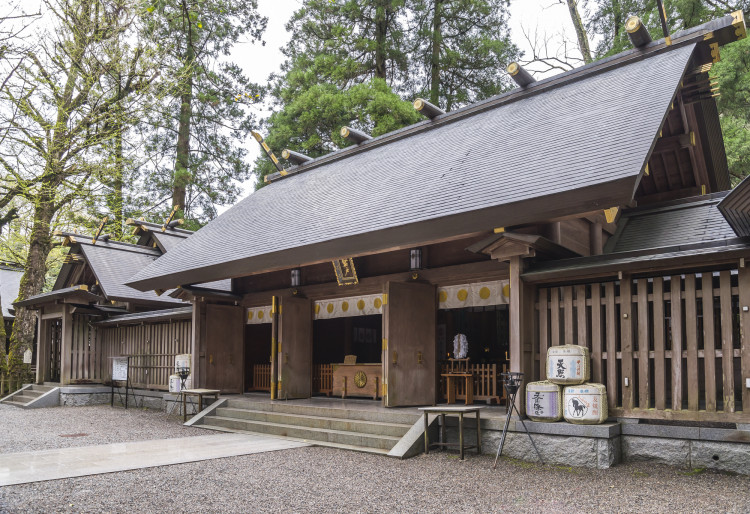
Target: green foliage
195	137
733	73
469	51
352	62
310	122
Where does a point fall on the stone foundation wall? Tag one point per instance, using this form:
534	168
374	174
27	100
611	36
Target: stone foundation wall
603	446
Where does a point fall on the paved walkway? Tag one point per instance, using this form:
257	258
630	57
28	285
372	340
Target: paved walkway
25	467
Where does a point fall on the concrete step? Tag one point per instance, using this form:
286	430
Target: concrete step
337	409
363	449
33	393
21	398
382	442
340	424
43	388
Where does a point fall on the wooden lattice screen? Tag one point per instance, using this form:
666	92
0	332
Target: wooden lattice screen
663	352
152	347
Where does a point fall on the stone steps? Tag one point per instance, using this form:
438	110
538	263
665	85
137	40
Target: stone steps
310	421
382	442
362	449
344	425
28	395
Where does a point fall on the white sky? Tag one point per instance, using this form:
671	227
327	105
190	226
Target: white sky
548	18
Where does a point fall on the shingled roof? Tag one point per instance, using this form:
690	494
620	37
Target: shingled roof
681	222
577	145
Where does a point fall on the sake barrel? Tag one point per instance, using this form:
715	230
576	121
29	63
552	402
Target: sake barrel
174	384
568	364
543	401
585	404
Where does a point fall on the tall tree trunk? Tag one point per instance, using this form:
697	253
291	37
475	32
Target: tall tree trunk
115	198
32	281
181	170
3	339
583	39
437	40
382	15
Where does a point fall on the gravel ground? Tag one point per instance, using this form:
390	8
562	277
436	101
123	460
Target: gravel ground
23	430
328	480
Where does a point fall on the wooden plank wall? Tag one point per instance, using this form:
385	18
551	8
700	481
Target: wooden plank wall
85	354
661	350
153	348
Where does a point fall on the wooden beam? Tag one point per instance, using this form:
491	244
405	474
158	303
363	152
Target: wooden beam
673	143
521	319
744	291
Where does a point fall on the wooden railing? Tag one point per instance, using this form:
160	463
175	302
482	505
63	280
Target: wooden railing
322	379
487	383
666	347
262	377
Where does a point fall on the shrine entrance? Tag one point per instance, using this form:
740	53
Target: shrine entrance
347	338
479	312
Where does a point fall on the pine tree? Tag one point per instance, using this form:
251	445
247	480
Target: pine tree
197	136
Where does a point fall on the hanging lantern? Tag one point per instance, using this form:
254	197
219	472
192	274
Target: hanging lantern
415	259
296	277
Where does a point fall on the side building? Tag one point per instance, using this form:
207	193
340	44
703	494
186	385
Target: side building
90	315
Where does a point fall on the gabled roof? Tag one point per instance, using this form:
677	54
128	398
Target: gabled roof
114	263
682	222
553	151
10	282
74	294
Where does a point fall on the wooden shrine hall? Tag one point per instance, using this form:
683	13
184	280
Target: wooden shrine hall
593	207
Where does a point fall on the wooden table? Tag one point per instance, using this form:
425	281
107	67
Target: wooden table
451	385
452	409
200	393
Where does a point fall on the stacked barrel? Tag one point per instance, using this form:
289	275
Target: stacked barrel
567	393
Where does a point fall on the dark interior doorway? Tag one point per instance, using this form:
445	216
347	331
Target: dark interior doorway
258	357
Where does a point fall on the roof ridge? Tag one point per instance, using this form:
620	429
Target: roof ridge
128	247
679	39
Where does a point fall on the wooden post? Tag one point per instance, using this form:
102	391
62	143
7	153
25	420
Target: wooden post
197	343
626	341
66	345
521	313
42	349
676	322
595	239
744	289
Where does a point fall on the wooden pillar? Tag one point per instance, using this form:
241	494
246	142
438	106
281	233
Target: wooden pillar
198	344
626	341
595	239
42	349
744	290
521	311
66	345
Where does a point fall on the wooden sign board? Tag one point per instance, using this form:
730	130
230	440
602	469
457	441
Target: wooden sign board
27	355
120	368
346	274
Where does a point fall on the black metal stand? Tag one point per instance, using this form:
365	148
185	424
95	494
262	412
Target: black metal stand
512	383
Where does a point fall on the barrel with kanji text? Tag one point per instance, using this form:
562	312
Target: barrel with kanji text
568	364
544	401
585	404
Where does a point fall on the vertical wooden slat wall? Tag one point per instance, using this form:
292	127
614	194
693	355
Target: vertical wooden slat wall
152	348
85	352
667	335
